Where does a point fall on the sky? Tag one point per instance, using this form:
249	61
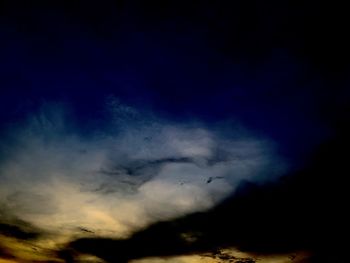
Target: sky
180	132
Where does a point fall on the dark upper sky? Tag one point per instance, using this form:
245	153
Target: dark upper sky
279	67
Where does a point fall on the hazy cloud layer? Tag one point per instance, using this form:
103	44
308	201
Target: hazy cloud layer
142	170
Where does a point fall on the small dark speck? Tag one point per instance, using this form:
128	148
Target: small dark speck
210	179
85	230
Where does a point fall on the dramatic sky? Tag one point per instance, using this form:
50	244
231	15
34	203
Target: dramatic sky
173	132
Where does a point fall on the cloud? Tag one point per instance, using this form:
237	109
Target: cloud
302	215
17	232
139	170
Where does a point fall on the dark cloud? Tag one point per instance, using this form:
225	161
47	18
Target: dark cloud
13	226
18	232
4	253
18	236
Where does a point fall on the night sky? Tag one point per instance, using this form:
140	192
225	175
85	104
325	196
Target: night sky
174	131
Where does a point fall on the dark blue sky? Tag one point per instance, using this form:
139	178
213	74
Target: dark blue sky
278	68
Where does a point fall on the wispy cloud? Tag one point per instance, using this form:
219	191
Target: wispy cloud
142	170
